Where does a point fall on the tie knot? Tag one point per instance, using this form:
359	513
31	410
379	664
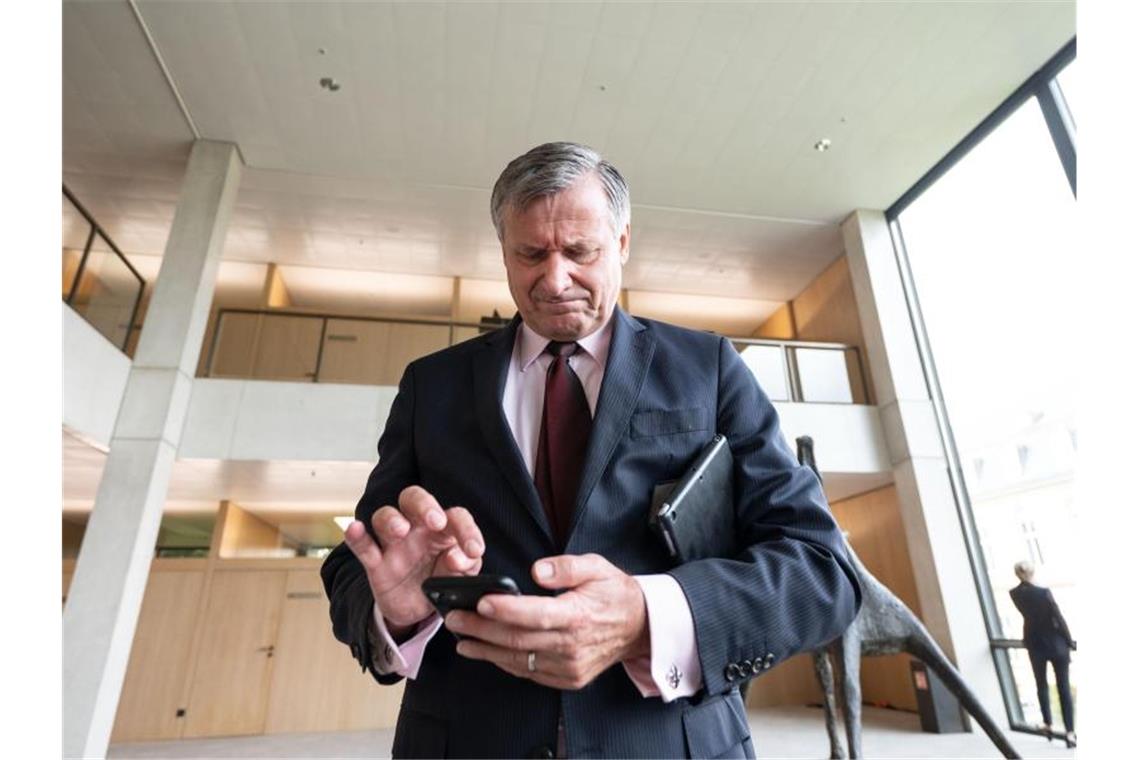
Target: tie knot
561	349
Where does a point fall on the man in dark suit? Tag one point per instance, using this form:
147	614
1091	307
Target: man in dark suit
1046	636
533	452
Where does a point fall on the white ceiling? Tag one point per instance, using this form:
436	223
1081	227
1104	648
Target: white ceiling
299	491
709	109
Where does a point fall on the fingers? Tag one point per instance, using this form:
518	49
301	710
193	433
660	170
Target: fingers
506	637
389	525
459	563
362	545
461	525
570	570
550	668
544	613
421	508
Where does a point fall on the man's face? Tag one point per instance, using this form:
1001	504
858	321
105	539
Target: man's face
564	261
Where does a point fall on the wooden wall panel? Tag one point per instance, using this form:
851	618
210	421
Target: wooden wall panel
875	531
780	326
160	658
826	311
317	686
874	528
244	534
232	674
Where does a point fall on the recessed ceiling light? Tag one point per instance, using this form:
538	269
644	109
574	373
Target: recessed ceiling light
330	84
343	521
823	145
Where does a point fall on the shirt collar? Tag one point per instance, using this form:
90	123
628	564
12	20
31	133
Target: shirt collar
596	344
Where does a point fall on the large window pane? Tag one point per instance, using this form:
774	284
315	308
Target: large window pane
992	247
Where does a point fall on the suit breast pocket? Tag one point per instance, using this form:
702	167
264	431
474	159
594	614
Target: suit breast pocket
653	422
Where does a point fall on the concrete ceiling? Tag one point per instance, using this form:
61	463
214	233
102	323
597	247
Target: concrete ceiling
711	110
299	497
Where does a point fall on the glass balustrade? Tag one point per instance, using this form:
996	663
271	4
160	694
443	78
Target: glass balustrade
98	281
327	348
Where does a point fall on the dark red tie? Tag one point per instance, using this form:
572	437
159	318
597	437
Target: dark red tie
562	440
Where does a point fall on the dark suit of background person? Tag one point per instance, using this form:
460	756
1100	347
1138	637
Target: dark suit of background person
665	392
1047	638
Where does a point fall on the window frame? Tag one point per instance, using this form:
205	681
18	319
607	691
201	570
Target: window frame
1041	85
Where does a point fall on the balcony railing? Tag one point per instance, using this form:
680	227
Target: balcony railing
331	348
98	281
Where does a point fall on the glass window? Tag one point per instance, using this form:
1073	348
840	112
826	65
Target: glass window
992	247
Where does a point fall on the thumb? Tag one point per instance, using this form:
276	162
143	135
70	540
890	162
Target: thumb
570	570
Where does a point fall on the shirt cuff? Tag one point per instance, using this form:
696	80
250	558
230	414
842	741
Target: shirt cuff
401	659
673	667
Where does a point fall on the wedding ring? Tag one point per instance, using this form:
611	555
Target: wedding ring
530	661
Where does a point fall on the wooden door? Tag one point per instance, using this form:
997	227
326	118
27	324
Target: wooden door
160	658
317	685
236	655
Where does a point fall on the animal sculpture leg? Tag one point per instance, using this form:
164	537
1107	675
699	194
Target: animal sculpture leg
826	678
922	645
850	648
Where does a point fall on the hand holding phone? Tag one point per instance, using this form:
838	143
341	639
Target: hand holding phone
463	592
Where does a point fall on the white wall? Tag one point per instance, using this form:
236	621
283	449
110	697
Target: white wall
94	378
271	420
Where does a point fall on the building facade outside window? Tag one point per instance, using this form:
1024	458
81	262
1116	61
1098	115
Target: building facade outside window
991	248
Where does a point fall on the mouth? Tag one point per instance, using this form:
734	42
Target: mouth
567	306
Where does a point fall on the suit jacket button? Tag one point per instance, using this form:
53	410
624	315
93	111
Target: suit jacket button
732	672
541	752
768	660
745	667
757	666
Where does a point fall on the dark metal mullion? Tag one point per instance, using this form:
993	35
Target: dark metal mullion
81	267
321	349
796	390
1060	129
214	343
1028	89
957	481
134	315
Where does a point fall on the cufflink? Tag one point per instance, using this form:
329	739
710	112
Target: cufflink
674	677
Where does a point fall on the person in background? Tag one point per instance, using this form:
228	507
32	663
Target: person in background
1047	638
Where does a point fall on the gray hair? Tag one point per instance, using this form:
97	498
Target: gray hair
548	170
1023	570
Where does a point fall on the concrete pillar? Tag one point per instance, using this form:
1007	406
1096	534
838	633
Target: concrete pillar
114	561
948	597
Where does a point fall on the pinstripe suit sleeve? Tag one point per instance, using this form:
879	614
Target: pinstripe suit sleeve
345	582
790	587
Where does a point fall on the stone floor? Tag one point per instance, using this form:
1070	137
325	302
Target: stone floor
779	732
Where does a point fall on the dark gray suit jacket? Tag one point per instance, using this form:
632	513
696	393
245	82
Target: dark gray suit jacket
1045	632
665	393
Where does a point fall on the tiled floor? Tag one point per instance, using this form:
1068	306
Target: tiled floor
784	732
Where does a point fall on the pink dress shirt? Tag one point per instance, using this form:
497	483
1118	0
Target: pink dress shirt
673	668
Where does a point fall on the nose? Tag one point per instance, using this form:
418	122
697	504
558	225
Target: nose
555	277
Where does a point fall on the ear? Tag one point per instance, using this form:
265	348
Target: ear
623	242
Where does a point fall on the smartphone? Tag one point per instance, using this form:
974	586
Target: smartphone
463	592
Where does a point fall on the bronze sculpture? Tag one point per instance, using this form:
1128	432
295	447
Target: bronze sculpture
883	626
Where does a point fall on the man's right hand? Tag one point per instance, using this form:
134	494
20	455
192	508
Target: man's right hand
417	541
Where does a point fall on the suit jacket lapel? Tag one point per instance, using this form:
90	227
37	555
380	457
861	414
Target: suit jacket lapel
631	349
491	365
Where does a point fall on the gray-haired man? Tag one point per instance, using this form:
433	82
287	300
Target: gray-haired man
533	453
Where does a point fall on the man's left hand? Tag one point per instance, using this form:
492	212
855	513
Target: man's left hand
569	639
